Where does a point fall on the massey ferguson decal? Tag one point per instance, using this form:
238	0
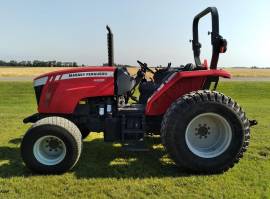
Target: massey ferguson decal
87	74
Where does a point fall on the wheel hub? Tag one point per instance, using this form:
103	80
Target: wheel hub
202	131
49	150
215	130
53	143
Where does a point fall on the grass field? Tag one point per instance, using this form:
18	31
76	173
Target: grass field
106	171
32	71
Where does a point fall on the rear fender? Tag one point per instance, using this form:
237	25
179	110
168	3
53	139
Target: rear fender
179	84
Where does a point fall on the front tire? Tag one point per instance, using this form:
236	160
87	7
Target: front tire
205	131
51	145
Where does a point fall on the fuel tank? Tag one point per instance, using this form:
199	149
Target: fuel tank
60	91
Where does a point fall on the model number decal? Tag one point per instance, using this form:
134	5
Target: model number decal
87	74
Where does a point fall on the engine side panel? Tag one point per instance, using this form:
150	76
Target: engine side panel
64	89
178	85
125	82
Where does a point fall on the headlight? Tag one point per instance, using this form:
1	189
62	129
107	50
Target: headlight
40	81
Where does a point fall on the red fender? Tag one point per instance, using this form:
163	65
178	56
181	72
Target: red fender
176	86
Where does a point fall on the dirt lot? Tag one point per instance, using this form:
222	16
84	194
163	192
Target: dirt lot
247	72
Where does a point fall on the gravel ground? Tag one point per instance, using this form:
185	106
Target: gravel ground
247	79
15	79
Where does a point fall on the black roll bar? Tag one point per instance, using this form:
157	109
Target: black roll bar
219	45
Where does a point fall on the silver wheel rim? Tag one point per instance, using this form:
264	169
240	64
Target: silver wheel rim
208	135
49	150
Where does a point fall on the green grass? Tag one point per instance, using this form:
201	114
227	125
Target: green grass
105	170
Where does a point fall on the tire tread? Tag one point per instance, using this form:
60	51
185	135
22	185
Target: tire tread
167	134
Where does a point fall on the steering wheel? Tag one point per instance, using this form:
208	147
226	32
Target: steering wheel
145	67
160	68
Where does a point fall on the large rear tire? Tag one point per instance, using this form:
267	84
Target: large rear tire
51	145
205	131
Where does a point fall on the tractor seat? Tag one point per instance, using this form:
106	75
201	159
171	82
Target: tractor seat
147	88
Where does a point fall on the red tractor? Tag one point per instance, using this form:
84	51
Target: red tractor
202	130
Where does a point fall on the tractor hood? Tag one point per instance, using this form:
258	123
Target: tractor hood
53	89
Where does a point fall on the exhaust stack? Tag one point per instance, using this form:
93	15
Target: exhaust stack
110	47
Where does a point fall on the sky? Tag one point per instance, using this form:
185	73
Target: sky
153	31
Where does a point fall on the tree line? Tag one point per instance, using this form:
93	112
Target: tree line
118	65
38	63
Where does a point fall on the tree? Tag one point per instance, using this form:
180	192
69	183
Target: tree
3	63
58	64
13	63
74	64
